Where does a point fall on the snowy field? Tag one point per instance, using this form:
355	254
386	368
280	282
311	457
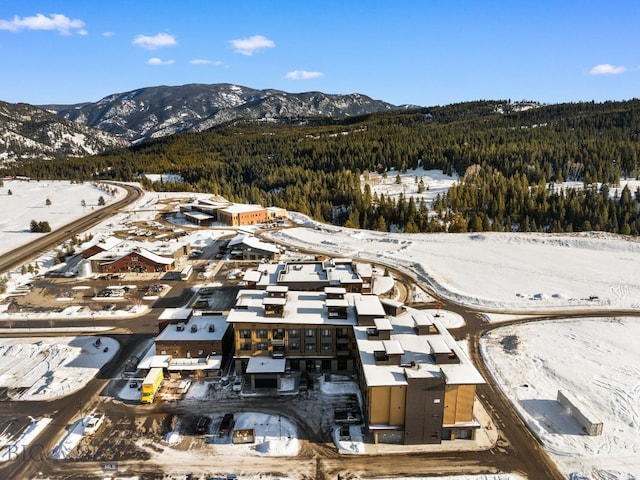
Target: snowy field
28	202
46	368
497	271
409	184
596	361
519	273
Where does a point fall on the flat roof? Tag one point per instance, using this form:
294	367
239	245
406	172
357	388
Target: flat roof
369	305
198	215
266	365
154	361
278	288
382	324
206	328
438	345
422	319
392	347
213	362
298	272
391	302
364	269
242	208
335	290
274	301
180	313
414	349
302	308
337	302
252	276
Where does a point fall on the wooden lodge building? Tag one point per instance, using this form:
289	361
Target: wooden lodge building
131	257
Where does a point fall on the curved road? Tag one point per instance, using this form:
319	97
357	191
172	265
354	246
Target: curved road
26	253
517	450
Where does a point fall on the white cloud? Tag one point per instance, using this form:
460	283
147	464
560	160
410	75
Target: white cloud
303	75
157	41
204	61
56	21
607	69
158	61
246	46
108	34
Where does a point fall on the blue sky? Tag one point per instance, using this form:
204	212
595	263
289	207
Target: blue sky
422	52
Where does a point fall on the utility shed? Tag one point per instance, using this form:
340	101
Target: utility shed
578	410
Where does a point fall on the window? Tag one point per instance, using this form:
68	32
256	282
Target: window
342	333
261	346
327	347
436	400
245	333
163	352
294	333
327	332
200	353
310	347
310	332
294	346
245	346
262	333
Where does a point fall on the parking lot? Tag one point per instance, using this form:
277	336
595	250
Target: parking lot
214	421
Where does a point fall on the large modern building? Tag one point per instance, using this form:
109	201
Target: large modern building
307	331
240	214
207	212
418	385
312	275
191	344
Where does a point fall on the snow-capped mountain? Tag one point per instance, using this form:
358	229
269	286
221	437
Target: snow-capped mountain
30	132
159	111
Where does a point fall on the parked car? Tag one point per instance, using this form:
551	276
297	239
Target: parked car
94	422
237	384
226	425
203	424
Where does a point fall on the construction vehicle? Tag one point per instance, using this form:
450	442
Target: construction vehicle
151	385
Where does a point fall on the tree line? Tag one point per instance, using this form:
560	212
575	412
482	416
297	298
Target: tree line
508	157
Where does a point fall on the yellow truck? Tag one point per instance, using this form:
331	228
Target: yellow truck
151	385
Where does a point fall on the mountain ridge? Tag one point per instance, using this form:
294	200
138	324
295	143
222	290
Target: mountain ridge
153	112
27	131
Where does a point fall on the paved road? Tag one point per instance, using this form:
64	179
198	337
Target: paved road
42	244
517	450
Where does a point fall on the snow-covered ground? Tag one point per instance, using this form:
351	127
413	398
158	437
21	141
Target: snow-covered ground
46	368
16	448
595	360
497	271
28	199
409	184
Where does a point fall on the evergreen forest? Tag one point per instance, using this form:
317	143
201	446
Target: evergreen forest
510	158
